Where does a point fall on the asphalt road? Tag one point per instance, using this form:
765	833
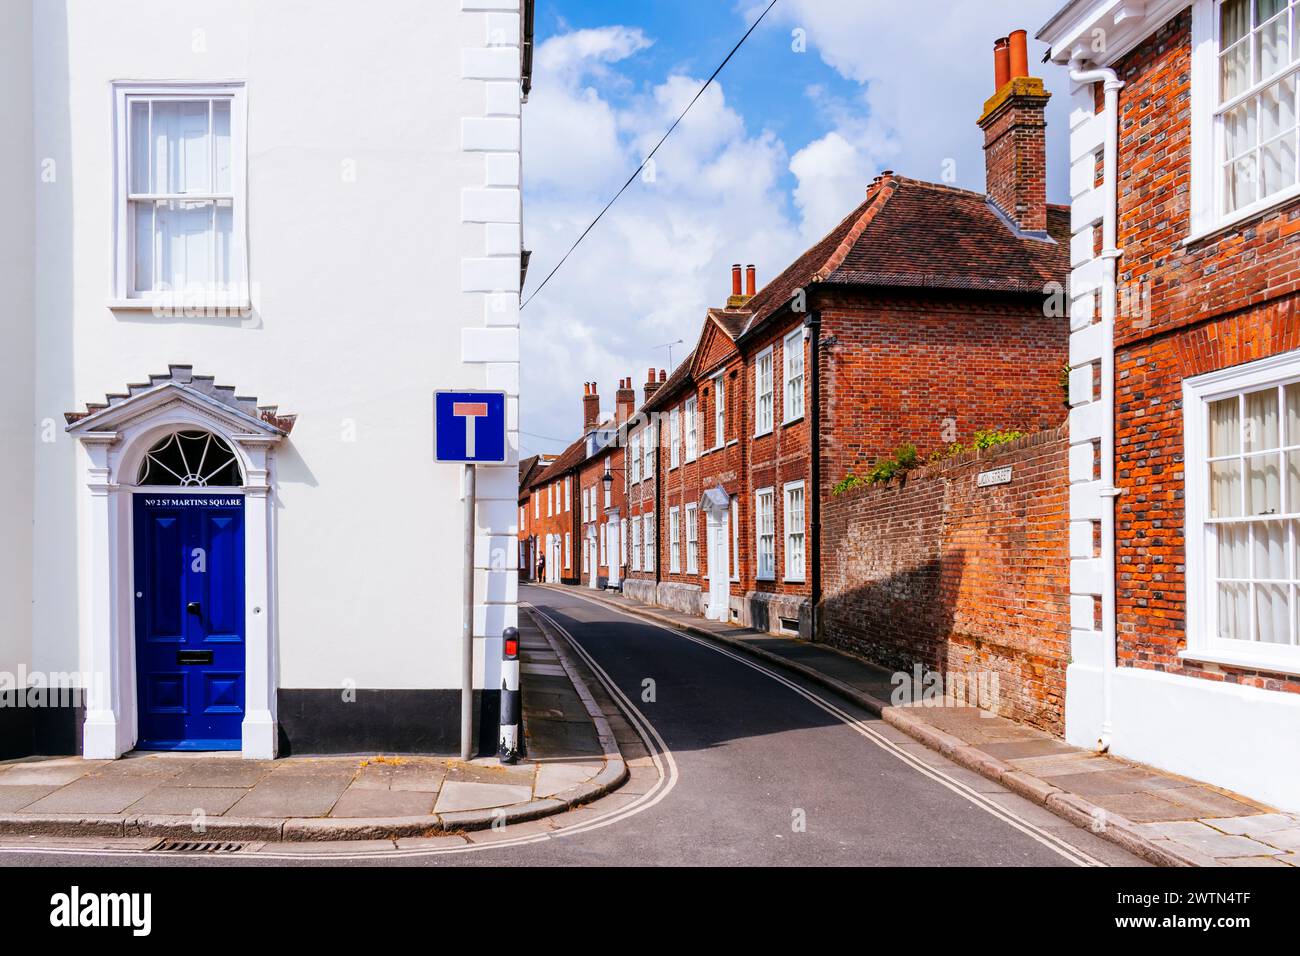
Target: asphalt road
756	768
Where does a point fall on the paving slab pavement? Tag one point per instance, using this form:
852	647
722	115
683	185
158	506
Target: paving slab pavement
1167	819
569	761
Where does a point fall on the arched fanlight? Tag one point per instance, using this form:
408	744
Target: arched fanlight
191	459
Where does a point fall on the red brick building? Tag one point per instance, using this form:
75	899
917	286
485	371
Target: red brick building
570	516
529	468
928	314
1185	492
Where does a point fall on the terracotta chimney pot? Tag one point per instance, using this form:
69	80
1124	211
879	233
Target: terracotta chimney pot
1001	63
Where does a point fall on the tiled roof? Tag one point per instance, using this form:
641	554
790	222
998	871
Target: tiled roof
915	234
732	321
568	459
681	376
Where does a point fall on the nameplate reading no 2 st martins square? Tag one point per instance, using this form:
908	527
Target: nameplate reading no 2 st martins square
998	476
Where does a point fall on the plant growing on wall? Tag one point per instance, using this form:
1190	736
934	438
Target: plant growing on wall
905	458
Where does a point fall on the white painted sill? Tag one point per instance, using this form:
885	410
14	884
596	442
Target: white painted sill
791	421
1242	217
231	307
1270	663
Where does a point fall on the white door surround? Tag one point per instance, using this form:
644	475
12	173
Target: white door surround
116	437
613	548
716	505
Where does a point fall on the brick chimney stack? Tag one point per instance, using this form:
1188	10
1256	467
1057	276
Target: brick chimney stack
652	384
590	407
1015	136
624	400
739	299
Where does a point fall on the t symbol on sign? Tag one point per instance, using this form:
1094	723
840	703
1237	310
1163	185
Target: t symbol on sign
470	411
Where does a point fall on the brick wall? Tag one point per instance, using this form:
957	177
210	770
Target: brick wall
932	369
1186	309
964	580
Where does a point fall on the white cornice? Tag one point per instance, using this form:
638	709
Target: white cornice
1122	23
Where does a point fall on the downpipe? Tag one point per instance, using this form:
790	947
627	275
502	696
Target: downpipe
1110	253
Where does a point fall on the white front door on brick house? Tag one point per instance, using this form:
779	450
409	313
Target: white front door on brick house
716	504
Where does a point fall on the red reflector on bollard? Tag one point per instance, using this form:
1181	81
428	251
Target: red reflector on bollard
512	648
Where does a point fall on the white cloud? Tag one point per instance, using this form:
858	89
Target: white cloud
922	72
828	170
663	253
926	68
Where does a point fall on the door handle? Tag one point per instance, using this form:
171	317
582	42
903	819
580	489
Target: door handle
194	608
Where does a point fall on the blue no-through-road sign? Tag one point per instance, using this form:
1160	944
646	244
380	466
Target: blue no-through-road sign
469	427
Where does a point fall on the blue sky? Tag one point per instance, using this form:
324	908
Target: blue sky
773	156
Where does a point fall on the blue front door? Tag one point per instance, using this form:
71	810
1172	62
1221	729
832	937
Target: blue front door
189	621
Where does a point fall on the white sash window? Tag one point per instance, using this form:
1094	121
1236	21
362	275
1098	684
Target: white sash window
1243	513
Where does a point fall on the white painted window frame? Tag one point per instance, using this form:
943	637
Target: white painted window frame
636	543
635	470
692	514
648	451
121	295
674	546
648	540
765	390
568	493
734	557
691	427
761	494
792	346
1202	609
787	530
1206	217
719	410
674	437
568	550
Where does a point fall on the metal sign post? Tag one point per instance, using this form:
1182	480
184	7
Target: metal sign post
469	428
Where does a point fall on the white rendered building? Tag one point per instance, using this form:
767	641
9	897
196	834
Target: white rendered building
314	204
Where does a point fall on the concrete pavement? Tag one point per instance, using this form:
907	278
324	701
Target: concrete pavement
572	759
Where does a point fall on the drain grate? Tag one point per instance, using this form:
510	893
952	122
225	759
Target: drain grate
196	846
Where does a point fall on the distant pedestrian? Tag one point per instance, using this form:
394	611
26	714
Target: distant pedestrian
541	568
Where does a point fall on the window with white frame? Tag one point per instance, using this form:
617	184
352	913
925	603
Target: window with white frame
792	517
180	191
550	500
604	545
636	458
568	550
537	506
636	543
692	415
1243	534
719	411
735	538
1255	102
674	436
648	540
674	545
622	544
584	504
793	350
609	485
568	493
692	539
763	397
648	451
522	514
765	533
